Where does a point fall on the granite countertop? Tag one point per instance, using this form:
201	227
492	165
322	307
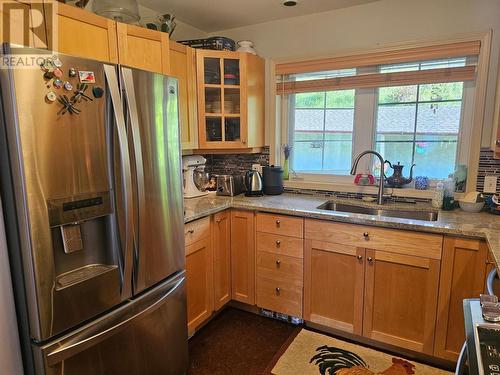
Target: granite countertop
480	225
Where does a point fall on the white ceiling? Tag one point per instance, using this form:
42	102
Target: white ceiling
216	15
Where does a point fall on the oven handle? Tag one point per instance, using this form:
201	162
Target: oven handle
462	361
490	280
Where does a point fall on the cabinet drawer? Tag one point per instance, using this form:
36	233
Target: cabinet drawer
279	224
196	230
280	268
391	240
274	243
278	296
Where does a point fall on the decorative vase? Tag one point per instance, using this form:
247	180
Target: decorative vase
286	172
246	46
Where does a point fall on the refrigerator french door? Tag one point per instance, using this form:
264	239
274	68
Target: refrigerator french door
90	166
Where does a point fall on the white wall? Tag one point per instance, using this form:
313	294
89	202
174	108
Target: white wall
374	24
183	31
10	351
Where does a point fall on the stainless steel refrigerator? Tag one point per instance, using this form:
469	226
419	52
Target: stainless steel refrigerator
91	181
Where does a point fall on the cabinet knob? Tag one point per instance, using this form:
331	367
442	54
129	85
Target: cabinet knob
366	235
278	223
360	257
278	243
278	263
369	259
278	290
191	231
498	142
243	141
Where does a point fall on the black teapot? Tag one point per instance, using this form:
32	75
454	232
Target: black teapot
397	180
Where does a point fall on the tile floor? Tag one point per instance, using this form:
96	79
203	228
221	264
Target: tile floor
237	342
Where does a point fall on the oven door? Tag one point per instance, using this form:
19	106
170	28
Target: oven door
145	336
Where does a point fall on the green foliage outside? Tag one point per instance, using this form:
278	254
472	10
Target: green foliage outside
334	99
398	94
430	92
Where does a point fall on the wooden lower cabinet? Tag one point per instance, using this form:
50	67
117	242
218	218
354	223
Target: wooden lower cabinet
357	286
279	283
401	293
199	283
221	240
463	273
352	278
243	256
333	285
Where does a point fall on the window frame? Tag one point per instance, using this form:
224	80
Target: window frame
364	133
468	151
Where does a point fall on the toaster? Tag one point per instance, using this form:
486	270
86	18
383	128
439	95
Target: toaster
230	185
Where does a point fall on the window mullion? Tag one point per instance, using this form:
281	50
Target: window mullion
415	127
290	127
324	130
364	124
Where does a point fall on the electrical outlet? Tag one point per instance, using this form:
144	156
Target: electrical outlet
490	184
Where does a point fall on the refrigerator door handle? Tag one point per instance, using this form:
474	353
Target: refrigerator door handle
112	79
76	343
128	82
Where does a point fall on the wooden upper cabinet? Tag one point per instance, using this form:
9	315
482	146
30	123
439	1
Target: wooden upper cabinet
463	275
221	240
143	48
20	15
243	256
230	100
183	67
84	34
333	285
401	293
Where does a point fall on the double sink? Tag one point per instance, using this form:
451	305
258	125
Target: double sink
426	215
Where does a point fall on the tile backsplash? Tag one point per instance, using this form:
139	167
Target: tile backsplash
235	163
487	167
240	163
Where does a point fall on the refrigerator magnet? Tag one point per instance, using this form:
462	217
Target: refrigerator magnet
86	76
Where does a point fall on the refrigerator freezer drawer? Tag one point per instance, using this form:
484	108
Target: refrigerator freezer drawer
145	336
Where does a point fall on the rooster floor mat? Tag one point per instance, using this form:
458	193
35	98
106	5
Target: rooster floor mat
312	353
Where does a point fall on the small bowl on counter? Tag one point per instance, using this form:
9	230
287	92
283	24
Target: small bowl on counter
472	207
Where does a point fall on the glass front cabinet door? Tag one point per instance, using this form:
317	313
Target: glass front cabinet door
230	100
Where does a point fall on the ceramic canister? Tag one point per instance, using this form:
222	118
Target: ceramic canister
421	183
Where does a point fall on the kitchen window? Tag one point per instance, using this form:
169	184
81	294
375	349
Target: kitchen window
420	124
322	132
415	112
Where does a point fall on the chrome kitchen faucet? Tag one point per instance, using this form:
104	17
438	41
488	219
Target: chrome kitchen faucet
380	198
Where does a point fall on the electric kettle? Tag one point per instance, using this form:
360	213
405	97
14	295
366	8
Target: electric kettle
253	183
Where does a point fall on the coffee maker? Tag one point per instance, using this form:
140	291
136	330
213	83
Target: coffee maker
195	177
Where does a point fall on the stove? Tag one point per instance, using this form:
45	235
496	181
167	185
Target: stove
483	340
